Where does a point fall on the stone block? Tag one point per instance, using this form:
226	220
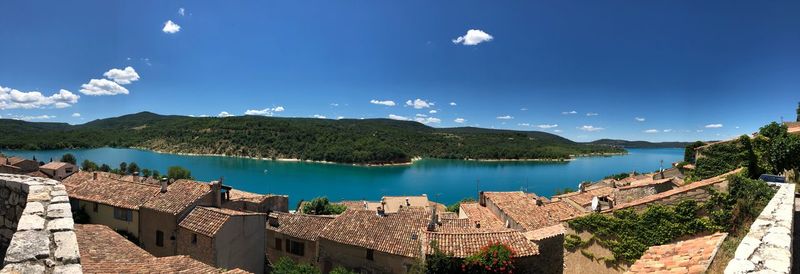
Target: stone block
66	247
28	246
59	199
68	269
30	222
59	187
58	193
739	266
33	208
59	211
23	268
60	224
39	197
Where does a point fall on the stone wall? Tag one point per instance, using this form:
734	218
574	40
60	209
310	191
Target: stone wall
767	247
36	228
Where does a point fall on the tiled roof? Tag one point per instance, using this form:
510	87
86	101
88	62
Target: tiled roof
238	195
689	256
109	191
394	203
677	190
208	220
54	165
647	182
105	251
585	198
396	233
12	160
545	232
462	245
356	205
476	212
38	174
307	227
527	213
180	195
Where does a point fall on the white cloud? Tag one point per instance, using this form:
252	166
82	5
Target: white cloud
13	99
592	114
418	104
421	115
224	114
182	11
524	124
460	120
557	131
433	111
398	117
122	76
569	112
506	117
389	103
170	27
339	117
334	104
668	130
714	126
428	120
473	37
590	128
651	131
38	117
453	104
546	126
639	119
524	109
76	114
699	130
264	112
97	87
319	116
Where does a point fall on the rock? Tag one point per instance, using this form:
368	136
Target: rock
59	211
59	199
66	247
739	266
33	208
30	222
28	246
68	269
60	224
22	268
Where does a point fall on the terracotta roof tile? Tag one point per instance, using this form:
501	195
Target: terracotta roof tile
208	220
396	233
110	191
528	214
674	191
689	256
545	232
54	165
585	198
477	213
239	195
462	245
179	196
307	227
105	251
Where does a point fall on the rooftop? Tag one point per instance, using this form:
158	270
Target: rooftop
462	245
106	190
105	251
477	213
528	214
54	165
179	196
238	195
677	190
395	233
689	256
208	220
306	227
585	198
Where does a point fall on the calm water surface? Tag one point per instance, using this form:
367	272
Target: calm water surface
444	181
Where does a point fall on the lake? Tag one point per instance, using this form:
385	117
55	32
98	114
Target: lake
444	181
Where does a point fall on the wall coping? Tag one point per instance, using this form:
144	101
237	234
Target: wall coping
45	240
768	245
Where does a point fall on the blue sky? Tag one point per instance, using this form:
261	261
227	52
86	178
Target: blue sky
687	69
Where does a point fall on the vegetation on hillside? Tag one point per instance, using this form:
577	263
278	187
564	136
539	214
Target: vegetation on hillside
370	141
638	144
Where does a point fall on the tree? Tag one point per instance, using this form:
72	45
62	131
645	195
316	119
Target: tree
322	206
146	173
178	172
341	270
455	206
123	167
285	265
88	165
133	168
105	168
440	262
690	151
69	158
798	112
156	174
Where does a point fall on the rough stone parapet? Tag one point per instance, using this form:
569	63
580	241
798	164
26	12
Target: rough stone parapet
36	227
767	247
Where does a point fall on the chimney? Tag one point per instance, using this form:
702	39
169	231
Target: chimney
539	202
481	199
381	212
407	203
477	224
582	187
365	205
216	189
94	176
434	220
164	184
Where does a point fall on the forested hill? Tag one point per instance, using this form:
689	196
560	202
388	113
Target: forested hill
369	141
638	144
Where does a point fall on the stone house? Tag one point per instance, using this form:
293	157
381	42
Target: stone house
643	189
17	165
58	170
162	213
520	211
294	236
224	238
247	201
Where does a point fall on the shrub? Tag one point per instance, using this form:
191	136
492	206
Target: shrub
455	206
285	265
493	258
322	206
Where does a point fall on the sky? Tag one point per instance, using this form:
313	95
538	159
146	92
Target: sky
585	70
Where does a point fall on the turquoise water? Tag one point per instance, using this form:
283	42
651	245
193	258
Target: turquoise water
444	181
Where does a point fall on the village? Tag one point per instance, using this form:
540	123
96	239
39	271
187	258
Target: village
100	222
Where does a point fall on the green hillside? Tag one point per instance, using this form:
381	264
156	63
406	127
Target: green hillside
368	141
639	144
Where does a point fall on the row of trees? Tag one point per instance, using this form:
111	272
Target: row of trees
132	168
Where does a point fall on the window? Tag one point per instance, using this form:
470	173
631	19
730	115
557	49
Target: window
159	238
296	248
94	207
370	254
278	244
194	238
123	214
